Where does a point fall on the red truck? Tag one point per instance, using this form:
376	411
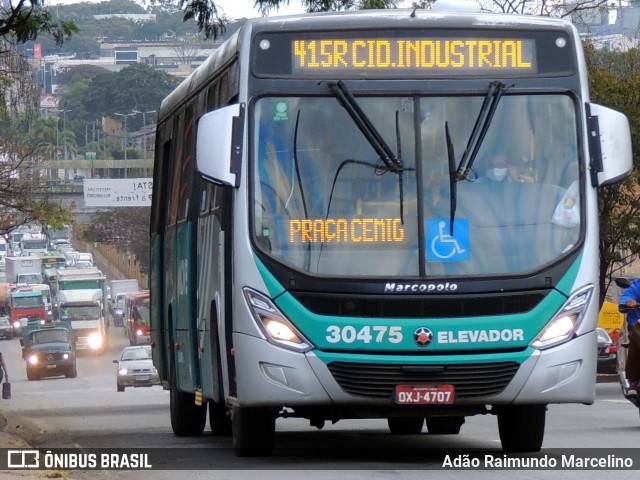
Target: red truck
25	303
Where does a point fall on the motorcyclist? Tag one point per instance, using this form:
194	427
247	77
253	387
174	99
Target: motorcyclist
630	298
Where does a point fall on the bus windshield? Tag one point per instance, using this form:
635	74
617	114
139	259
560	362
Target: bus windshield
324	202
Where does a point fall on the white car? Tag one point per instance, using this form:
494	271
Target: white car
135	368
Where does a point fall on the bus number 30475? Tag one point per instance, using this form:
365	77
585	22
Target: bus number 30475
366	334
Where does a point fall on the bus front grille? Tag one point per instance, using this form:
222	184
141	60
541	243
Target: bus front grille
347	305
379	380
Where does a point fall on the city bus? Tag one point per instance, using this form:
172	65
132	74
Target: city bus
329	241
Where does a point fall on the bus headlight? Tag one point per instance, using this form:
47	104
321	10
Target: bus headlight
274	324
94	340
564	324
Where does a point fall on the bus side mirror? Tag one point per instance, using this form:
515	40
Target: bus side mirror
609	145
219	141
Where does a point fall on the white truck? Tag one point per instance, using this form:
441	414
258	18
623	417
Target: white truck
118	289
81	300
23	269
33	244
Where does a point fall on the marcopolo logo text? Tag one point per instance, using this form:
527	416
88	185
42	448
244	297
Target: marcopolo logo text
392	287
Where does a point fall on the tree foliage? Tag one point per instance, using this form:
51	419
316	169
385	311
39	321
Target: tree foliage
24	20
24	192
550	8
266	6
17	90
125	229
93	93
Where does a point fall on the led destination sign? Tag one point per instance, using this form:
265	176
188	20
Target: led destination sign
342	230
460	56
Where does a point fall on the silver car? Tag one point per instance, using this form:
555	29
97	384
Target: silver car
135	368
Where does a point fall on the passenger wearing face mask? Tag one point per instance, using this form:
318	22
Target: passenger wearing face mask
500	171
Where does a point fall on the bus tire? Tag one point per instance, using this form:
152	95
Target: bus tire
405	425
187	418
219	419
444	425
521	427
254	431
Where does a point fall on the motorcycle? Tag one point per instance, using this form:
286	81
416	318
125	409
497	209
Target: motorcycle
624	344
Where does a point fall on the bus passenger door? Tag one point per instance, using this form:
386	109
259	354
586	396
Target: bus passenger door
211	292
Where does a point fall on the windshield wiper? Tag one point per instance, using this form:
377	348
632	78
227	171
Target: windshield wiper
489	105
348	101
453	187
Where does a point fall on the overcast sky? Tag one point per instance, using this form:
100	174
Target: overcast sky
234	8
244	8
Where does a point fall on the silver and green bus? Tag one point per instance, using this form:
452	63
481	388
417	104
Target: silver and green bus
330	239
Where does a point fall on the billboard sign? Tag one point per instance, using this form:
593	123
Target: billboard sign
118	192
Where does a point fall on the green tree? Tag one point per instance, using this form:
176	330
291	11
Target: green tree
24	20
124	228
552	8
137	86
266	6
24	192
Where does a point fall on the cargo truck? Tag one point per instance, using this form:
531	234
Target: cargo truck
25	305
81	300
118	289
23	269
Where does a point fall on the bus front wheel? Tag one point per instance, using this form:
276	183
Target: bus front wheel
521	427
254	431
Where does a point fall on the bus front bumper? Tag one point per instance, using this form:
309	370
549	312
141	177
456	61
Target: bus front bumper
273	376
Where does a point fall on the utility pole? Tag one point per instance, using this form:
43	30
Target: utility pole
144	130
124	139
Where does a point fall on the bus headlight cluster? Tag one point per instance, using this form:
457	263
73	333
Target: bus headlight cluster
563	325
274	324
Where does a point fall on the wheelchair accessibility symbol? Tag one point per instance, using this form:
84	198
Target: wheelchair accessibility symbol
444	247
